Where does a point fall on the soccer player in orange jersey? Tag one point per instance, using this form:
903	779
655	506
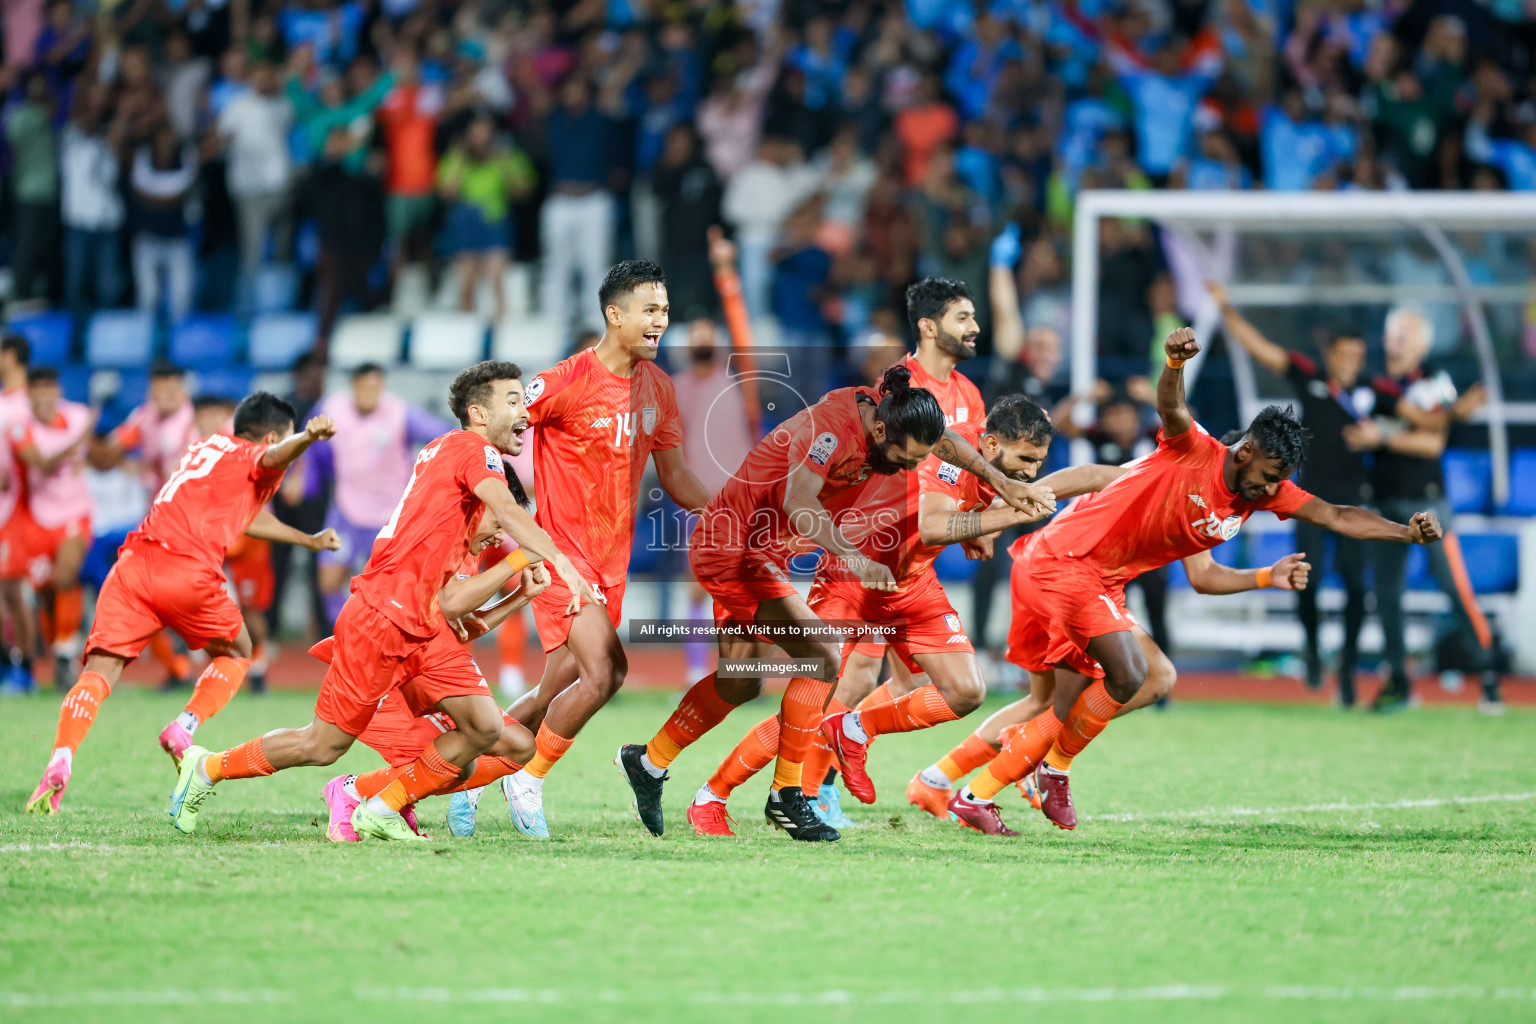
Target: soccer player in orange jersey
822	464
168	572
598	418
392	628
1190	494
939	505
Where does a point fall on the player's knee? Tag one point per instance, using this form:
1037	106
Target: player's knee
965	694
1125	675
829	658
1161	675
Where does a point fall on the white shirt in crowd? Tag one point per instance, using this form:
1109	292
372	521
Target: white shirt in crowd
257	129
762	195
88	196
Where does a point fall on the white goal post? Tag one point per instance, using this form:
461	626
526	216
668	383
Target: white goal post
1205	221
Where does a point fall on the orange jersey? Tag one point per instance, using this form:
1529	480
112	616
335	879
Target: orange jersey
209	499
957	396
827	438
1173	503
427	537
593	432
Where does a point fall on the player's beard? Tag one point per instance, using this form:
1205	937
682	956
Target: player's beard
953	345
879	464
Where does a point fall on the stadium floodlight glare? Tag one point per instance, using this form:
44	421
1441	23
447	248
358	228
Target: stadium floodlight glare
1206	224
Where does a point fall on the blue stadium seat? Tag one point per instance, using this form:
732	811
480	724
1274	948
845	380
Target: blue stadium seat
49	334
205	340
1493	561
1265	549
275	289
75	382
1418	570
1468	480
123	339
1522	484
277	339
952	565
1229	553
226	381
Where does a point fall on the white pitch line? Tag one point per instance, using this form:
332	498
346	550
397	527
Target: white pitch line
829	997
38	847
1266	812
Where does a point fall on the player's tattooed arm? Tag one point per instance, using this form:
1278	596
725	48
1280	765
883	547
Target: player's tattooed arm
282	454
938	521
1180	346
267	526
1030	498
678	479
1362	524
809	519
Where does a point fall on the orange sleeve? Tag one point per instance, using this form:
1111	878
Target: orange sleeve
1288	499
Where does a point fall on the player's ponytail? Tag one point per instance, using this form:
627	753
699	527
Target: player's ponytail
515	485
907	411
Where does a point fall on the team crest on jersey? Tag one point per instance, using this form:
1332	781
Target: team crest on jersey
822	450
648	419
949	473
960	412
533	391
493	460
1230	526
953	622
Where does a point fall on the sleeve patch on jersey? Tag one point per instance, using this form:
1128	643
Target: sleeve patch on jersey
493	460
949	473
533	391
822	450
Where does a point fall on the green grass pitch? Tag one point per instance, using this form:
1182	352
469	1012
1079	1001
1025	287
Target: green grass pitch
1236	863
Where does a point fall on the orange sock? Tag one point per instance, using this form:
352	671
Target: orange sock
923	708
551	748
800	715
178	665
1021	752
487	770
757	748
68	604
879	695
247	761
375	782
701	709
421	778
216	686
80	708
967	757
1089	716
819	761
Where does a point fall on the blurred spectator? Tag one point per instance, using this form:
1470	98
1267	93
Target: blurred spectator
91	205
758	200
577	221
408	118
478	178
184	78
34	188
164	172
927	123
688	192
255	125
349	219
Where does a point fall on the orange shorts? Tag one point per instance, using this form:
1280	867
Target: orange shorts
372	656
918	616
738	576
151	588
15	543
249	567
550	616
43	543
868	648
1059	604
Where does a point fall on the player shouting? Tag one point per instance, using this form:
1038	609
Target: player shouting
168	572
1190	494
598	417
391	628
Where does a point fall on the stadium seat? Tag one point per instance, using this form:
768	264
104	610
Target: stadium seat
535	343
366	338
275	289
277	339
447	341
225	381
49	334
120	338
205	340
1522	484
1493	561
1468	480
412	293
75	382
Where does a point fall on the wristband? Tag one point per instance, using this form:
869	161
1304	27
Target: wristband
518	560
1176	364
1266	578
